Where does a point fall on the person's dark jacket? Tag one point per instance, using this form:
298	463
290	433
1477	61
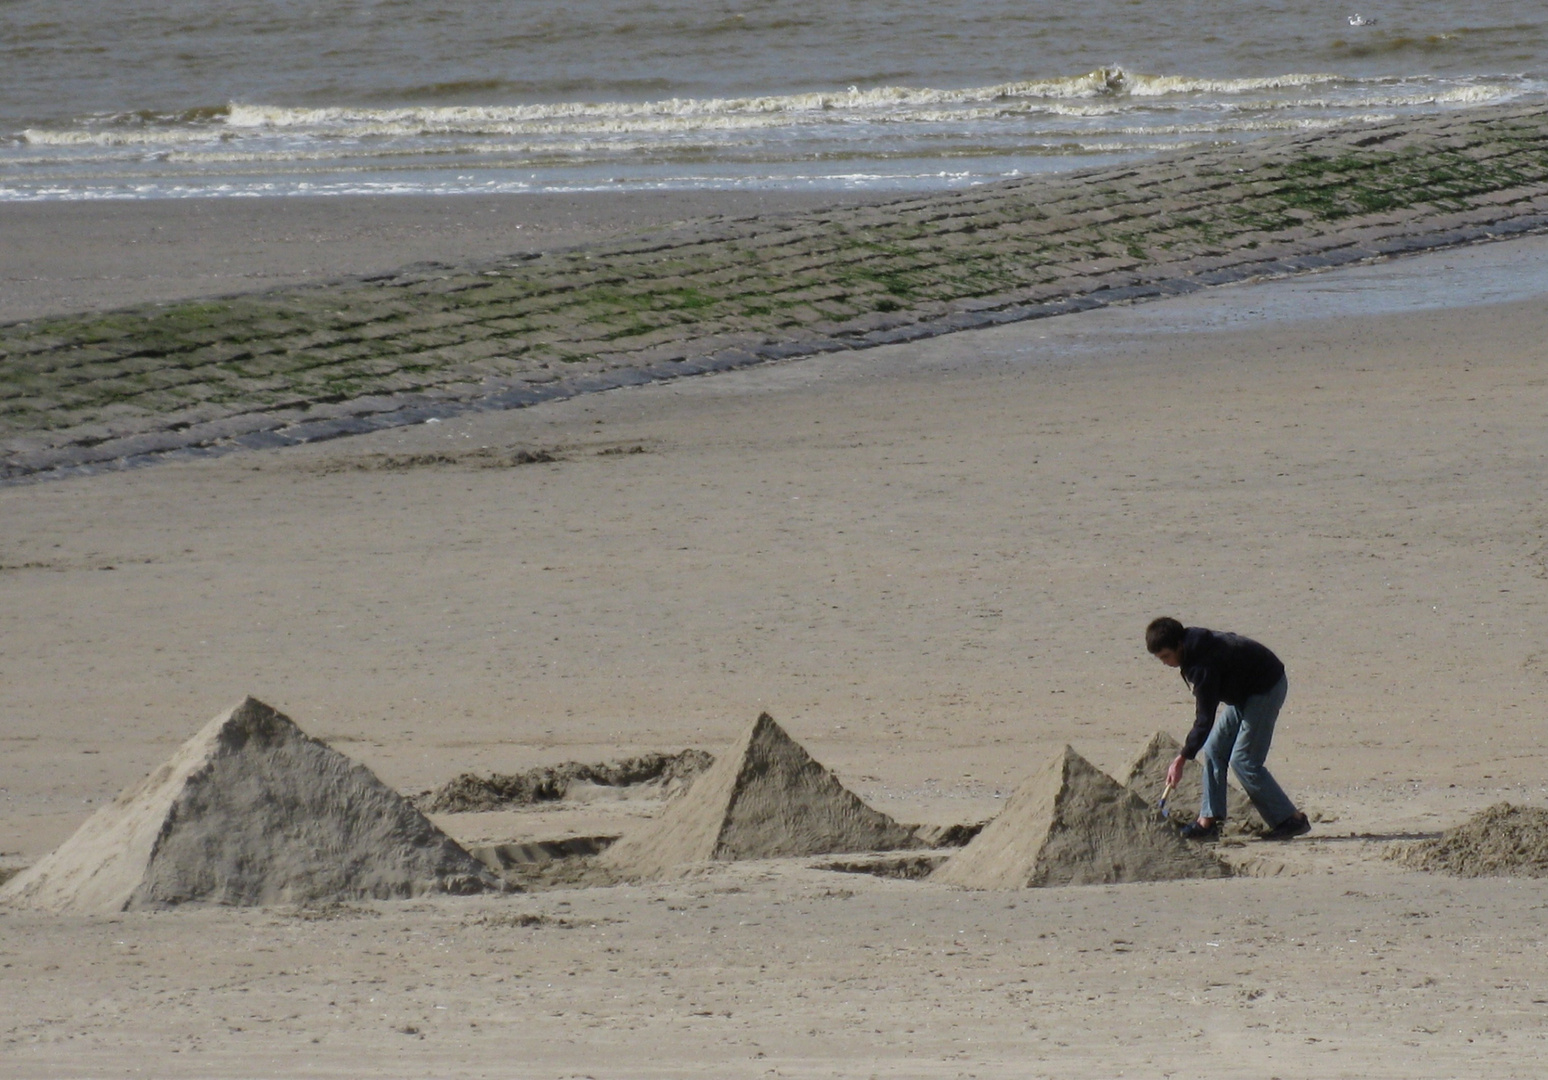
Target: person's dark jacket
1222	667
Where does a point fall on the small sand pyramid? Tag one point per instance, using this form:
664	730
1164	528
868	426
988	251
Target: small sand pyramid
1147	779
765	798
251	810
1072	824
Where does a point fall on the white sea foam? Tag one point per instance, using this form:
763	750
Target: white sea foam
674	113
1005	128
119	136
1099	93
1162	85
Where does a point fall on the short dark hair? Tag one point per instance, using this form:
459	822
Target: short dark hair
1163	633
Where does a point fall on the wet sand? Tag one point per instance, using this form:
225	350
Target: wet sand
65	257
933	564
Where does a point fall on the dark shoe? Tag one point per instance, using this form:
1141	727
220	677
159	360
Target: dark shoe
1289	829
1194	831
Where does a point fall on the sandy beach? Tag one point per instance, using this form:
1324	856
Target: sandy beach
931	562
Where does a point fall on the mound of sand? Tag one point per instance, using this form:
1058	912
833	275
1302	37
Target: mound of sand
468	793
1502	840
1072	824
1147	779
765	798
251	810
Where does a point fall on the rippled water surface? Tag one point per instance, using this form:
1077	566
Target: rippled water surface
256	97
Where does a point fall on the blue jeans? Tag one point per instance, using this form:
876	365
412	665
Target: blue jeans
1241	738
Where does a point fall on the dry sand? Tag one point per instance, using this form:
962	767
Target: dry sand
1502	841
933	563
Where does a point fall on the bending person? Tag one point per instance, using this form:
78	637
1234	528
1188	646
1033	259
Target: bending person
1249	680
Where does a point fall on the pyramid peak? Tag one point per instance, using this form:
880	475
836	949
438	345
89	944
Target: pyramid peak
1071	762
253	721
768	728
768	725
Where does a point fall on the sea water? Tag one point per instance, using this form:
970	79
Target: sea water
158	98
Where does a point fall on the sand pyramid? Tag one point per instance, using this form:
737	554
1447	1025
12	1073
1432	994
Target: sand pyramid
249	811
1072	824
1147	779
765	798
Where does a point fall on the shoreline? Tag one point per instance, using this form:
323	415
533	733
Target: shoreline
412	410
430	341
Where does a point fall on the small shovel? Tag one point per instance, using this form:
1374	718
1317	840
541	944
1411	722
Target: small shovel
1161	806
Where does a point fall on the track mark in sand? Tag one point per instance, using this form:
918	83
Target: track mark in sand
662	774
482	458
906	868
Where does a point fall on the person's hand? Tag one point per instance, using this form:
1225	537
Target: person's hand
1174	771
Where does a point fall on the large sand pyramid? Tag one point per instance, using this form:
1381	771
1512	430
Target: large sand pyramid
251	810
1072	824
1147	779
765	798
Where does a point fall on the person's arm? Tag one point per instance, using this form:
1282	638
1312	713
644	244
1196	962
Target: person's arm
1206	697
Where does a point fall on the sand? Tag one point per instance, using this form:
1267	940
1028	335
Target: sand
65	257
1069	823
764	798
664	773
1146	777
1502	841
249	812
933	564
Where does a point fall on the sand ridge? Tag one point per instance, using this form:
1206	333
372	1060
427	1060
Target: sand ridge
655	773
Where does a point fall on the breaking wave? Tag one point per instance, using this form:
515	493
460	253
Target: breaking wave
1097	93
1007	127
